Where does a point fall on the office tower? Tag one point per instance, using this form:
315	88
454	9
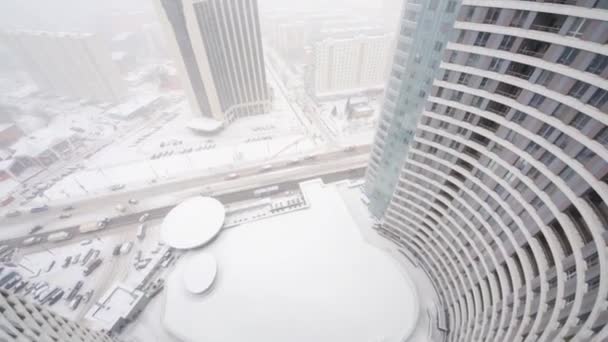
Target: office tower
424	31
351	65
74	65
219	52
502	195
22	321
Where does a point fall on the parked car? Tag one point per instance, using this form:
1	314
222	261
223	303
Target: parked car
68	208
39	209
232	176
32	240
65	216
133	201
117	187
12	213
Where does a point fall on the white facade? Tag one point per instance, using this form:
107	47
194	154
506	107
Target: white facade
21	321
343	66
68	64
218	49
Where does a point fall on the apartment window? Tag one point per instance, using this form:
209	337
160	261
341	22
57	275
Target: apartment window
533	173
562	141
578	27
483	83
598	64
477	101
433	4
567	56
482	39
456	95
452	58
568	300
578	89
470	13
602	136
536	203
594	283
598	205
566	174
580	121
545	77
536	100
561	236
491	15
495	64
518	117
532	148
472	59
570	273
546	130
438	46
547	158
451	7
464	78
599	98
519	18
580	224
506	43
584	155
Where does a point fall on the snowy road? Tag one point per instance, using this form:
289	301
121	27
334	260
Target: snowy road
91	209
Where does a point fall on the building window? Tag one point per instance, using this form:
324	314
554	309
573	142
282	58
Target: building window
483	83
464	78
451	7
566	174
562	141
491	15
545	77
578	89
482	39
438	46
536	100
567	56
506	43
547	158
519	18
578	27
546	130
602	137
518	117
599	98
472	59
598	64
495	64
584	155
580	121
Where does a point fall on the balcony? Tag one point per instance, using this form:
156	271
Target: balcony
533	48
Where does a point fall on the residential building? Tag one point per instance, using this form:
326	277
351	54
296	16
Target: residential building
22	321
351	65
74	65
502	186
219	53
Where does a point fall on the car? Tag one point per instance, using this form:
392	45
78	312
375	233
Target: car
117	187
349	149
232	176
133	201
121	208
32	240
39	209
68	208
293	161
12	213
266	168
310	157
86	242
65	216
36	229
144	217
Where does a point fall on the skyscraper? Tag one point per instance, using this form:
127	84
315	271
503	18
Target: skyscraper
76	65
219	51
500	188
22	321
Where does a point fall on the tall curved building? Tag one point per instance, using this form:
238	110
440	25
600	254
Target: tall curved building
490	168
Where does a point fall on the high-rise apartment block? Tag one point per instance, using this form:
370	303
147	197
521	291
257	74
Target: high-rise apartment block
218	49
493	175
351	65
21	321
75	65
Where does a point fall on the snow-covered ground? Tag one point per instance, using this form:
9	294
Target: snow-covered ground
164	148
303	276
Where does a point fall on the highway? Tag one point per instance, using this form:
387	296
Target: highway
160	197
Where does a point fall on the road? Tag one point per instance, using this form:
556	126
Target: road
152	197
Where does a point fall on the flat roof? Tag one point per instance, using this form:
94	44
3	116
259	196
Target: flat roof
193	223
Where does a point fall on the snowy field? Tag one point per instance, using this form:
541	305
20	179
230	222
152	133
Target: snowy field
305	276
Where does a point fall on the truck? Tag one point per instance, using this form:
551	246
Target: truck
75	290
92	267
59	236
91	227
